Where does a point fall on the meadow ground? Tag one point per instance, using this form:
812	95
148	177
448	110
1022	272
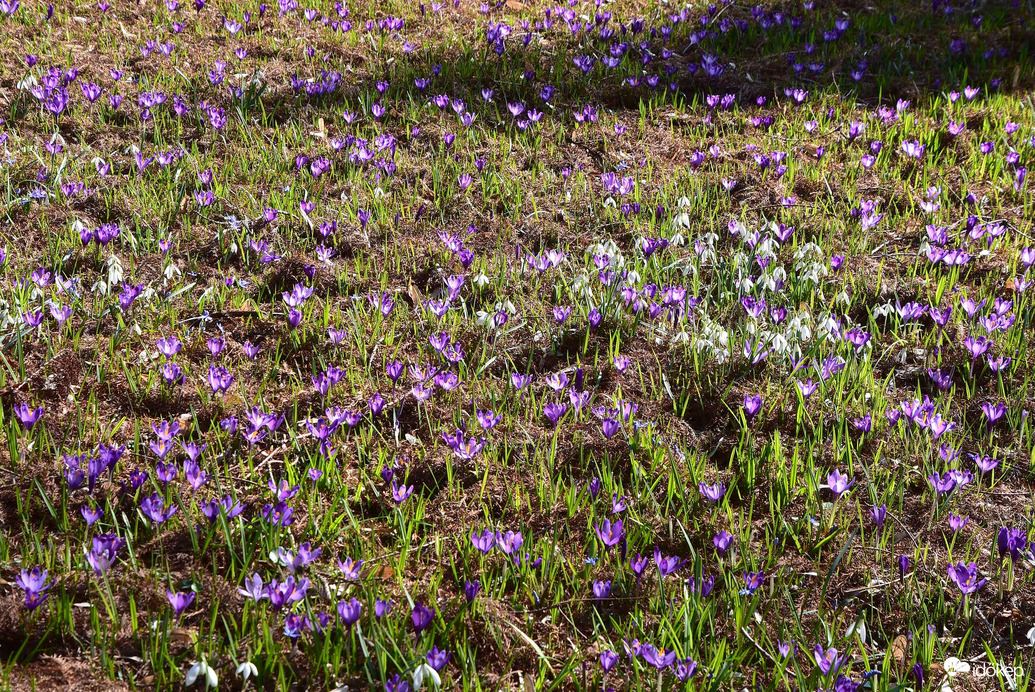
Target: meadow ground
516	346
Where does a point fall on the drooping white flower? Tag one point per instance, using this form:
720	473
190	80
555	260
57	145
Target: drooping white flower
425	672
201	670
247	670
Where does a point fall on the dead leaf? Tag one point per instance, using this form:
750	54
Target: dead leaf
899	648
179	635
415	295
379	572
515	5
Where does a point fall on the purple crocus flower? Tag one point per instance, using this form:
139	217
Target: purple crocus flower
828	661
382	607
34	583
913	149
638	565
27	416
219	378
253	588
421	617
752	405
103	552
723	540
180	600
712	493
610	534
993	412
667	565
752	580
555	412
484	542
349	611
838	484
520	381
1011	542
281	594
903	566
956	523
657	657
401	493
437	658
965	576
153	507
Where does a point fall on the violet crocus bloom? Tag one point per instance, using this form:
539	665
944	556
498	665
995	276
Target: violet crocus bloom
638	565
712	493
253	588
610	534
903	566
27	416
349	611
723	540
1010	542
484	542
667	565
437	658
153	507
659	658
519	381
281	594
913	149
752	580
993	412
180	600
828	661
555	412
957	522
219	378
965	576
471	590
103	552
838	484
752	405
34	583
421	617
382	607
401	493
879	514
488	419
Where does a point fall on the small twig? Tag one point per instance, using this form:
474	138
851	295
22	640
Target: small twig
787	671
